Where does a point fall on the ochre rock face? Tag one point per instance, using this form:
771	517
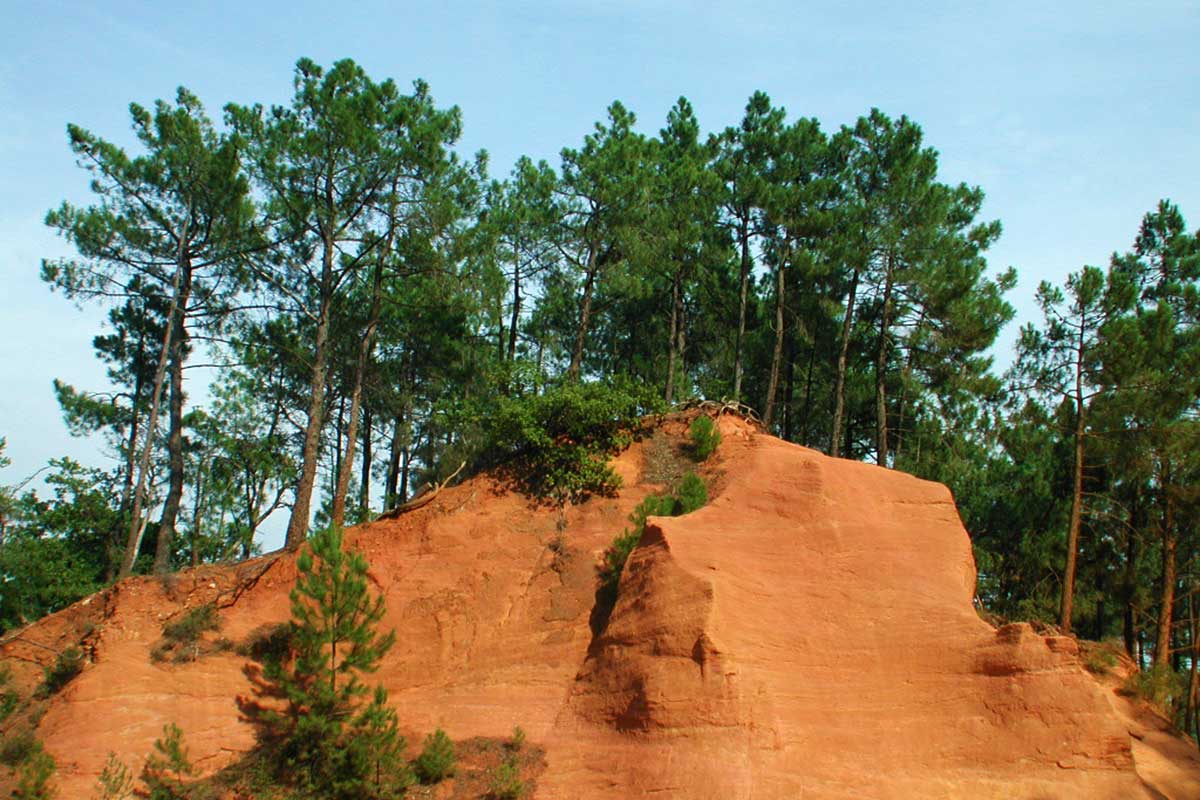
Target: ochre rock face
808	634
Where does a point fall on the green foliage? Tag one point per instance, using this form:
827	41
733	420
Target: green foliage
269	644
181	637
34	774
505	782
66	666
17	747
115	781
556	444
690	495
437	759
705	437
1100	660
56	551
8	697
330	743
1163	687
168	766
516	742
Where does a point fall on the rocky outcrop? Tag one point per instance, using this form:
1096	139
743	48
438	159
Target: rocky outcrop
808	634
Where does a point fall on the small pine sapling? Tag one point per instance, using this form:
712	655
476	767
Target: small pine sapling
330	742
505	781
517	741
691	494
34	774
705	437
168	766
68	664
116	781
437	759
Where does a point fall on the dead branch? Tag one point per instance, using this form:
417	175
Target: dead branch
423	499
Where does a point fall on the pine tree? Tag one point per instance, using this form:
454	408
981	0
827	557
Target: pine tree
168	223
330	741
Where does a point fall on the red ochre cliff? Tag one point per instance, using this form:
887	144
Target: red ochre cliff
808	634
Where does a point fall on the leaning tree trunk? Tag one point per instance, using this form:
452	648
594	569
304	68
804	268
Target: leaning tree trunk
839	387
134	540
170	515
338	515
297	530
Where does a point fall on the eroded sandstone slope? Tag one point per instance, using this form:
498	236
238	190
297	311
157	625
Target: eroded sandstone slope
808	634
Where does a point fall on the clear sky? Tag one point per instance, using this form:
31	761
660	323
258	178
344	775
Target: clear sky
1074	117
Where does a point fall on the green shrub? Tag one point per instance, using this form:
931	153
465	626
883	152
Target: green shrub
1100	660
556	445
8	698
517	741
181	637
191	626
68	664
691	494
168	766
115	781
1162	687
437	759
18	747
505	781
705	437
34	774
269	644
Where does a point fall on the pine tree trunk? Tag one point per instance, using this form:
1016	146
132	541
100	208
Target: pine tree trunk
516	309
136	527
197	512
364	489
297	530
1166	610
881	359
839	386
672	339
743	293
365	345
393	475
808	385
1193	698
777	355
905	380
175	465
789	389
1068	589
585	316
406	460
1130	581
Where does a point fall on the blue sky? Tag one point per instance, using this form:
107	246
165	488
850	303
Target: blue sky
1075	118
